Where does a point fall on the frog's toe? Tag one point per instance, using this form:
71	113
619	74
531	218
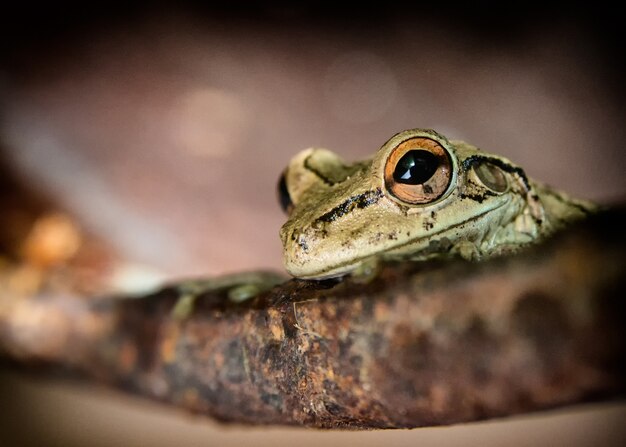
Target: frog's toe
244	292
183	307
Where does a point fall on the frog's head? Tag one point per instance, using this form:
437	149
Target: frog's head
416	197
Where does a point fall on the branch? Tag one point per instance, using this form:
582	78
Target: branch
422	344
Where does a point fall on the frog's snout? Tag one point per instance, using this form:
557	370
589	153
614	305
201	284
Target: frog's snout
304	251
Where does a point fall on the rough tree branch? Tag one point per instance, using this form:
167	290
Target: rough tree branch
423	344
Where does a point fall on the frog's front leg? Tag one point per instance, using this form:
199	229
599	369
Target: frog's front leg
466	250
367	270
239	286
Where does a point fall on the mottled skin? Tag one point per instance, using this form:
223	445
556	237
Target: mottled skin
343	217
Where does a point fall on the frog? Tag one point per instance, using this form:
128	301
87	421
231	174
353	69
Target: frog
420	196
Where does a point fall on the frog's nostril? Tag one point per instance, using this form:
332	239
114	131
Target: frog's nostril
302	243
299	239
294	238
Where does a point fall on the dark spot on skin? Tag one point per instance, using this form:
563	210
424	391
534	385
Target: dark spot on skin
320	227
480	198
428	225
377	237
354	234
392	236
433	215
303	245
359	201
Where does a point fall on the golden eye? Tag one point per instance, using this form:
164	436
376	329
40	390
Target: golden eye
418	171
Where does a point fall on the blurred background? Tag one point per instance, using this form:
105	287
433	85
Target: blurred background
161	131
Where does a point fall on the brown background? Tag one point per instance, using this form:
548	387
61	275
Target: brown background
165	129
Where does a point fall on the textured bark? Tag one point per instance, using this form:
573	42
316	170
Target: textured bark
422	344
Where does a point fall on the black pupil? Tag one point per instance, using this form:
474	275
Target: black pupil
283	194
415	167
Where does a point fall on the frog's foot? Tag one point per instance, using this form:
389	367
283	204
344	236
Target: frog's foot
366	271
239	287
466	250
184	306
244	292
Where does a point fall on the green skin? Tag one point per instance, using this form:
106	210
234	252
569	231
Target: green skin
345	218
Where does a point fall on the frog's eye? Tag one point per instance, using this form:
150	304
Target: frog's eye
418	171
283	194
491	176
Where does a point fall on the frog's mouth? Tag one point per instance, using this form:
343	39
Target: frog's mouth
343	268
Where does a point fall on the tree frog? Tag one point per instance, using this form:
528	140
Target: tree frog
420	196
